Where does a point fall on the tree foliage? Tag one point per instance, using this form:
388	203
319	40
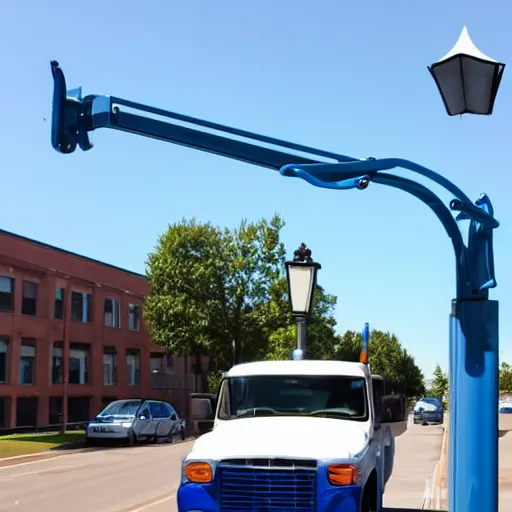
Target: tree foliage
439	386
207	285
505	378
386	358
223	292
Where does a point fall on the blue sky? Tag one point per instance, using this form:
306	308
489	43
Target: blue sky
349	77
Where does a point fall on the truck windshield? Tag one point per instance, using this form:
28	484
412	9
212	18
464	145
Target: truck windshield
331	396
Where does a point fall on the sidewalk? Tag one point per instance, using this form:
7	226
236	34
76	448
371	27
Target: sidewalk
416	456
505	467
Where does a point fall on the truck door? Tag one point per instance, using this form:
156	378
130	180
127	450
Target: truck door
378	394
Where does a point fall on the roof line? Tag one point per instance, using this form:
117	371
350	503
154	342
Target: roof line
70	253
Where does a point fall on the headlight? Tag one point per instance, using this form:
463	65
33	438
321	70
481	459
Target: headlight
342	474
198	472
126	425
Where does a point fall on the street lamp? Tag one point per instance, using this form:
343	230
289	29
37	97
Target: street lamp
474	343
467	79
468	82
301	277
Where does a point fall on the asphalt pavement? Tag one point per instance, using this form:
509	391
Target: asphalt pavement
107	480
145	478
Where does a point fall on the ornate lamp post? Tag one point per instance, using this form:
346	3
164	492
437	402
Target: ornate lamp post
301	277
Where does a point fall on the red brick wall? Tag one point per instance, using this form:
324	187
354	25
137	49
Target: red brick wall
51	269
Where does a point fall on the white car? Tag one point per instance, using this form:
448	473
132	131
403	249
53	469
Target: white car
291	435
135	420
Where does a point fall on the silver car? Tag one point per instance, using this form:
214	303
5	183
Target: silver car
136	420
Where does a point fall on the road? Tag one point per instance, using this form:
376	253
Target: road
109	480
145	478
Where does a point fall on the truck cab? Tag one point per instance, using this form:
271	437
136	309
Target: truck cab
291	435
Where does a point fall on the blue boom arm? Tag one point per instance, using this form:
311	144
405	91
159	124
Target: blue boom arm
73	117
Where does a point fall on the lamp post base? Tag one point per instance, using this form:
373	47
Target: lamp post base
474	394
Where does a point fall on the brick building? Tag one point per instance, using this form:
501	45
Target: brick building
72	338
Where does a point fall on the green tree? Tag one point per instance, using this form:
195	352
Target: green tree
439	386
348	347
505	378
207	285
386	357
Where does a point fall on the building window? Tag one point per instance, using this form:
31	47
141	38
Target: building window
157	363
26	411
79	409
4	411
79	363
55	410
59	303
6	294
4	345
27	362
109	366
133	367
112	313
134	317
29	302
81	307
56	367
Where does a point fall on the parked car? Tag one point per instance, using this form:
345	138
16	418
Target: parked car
428	410
135	420
505	407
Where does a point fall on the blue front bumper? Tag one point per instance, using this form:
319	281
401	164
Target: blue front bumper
205	498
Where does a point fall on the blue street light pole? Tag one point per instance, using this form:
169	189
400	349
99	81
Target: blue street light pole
474	318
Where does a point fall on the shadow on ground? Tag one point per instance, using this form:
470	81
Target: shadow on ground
398	428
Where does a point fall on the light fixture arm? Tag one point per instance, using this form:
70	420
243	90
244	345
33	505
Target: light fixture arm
74	117
474	261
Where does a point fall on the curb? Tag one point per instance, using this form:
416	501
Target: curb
436	492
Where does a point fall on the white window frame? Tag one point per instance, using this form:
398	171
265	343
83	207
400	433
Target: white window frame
81	355
109	369
113	319
132	325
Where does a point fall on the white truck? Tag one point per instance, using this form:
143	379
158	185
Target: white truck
300	436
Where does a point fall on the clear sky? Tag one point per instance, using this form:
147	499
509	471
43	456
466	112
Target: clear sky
349	77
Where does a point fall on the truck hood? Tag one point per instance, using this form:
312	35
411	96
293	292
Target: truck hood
291	436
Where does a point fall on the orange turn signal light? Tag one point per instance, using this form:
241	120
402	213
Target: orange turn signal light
342	474
198	472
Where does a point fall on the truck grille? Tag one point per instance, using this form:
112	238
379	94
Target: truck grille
268	488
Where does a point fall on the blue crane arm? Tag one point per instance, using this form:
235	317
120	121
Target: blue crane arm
74	117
